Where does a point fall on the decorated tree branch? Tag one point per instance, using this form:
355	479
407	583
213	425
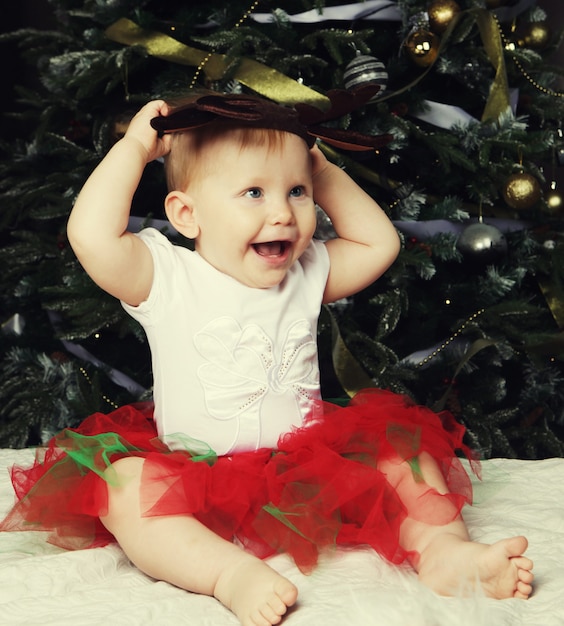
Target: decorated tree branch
470	318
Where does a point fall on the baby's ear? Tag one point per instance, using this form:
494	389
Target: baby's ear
179	208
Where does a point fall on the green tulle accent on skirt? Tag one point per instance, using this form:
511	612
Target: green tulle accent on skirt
94	452
407	443
284	518
198	450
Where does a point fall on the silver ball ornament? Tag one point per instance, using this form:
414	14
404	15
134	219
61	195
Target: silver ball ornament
482	243
365	70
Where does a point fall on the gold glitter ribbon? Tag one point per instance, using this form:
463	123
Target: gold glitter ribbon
262	79
498	99
553	293
351	375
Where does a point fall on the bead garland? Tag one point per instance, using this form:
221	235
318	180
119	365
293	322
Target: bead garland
104	397
450	339
534	83
208	56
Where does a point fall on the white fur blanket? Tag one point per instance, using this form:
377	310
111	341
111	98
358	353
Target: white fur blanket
42	584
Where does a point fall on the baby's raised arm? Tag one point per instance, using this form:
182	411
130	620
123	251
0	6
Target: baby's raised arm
115	259
367	241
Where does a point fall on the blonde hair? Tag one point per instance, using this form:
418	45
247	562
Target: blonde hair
187	161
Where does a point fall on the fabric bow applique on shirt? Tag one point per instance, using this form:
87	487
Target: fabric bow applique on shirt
243	368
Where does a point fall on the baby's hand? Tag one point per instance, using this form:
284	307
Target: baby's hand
140	130
318	161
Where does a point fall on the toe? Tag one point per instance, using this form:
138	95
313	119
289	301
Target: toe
523	563
286	592
271	615
515	546
277	606
526	576
258	619
524	590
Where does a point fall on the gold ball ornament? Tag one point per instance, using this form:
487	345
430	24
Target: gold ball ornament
534	35
441	13
521	191
422	47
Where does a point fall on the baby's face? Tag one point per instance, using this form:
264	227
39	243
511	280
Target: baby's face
254	208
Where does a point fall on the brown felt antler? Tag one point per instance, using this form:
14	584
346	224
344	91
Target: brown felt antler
303	120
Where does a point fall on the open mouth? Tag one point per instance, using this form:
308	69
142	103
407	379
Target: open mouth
271	248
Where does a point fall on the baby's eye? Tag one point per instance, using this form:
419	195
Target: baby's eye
254	193
297	191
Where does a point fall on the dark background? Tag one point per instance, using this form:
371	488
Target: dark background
20	14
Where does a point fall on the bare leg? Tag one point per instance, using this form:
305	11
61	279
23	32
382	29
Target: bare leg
179	550
448	561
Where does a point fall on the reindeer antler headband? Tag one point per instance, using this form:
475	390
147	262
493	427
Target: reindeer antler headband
303	120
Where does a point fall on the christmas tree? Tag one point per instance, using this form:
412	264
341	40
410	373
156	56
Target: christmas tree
468	319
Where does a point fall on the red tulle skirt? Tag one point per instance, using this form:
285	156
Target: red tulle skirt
325	484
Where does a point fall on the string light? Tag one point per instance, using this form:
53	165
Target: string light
450	339
209	55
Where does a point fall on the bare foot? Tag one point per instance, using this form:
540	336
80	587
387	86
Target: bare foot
451	565
257	594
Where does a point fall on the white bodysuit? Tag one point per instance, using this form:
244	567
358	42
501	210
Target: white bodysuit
234	367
